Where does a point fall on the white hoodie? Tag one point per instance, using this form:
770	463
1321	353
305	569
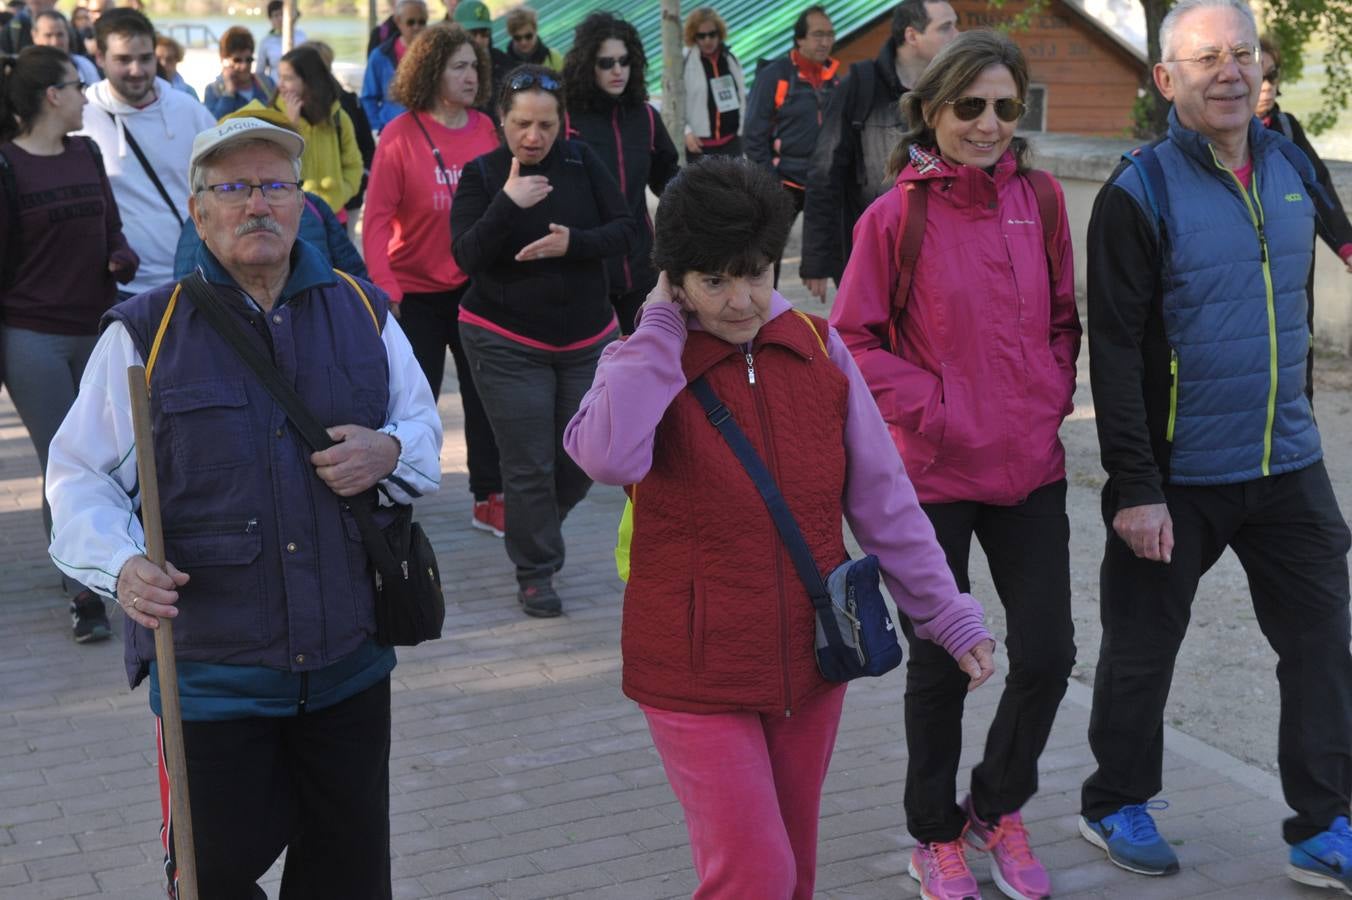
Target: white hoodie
164	130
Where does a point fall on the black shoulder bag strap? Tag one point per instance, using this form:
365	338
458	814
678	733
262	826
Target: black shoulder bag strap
229	327
721	418
13	251
145	164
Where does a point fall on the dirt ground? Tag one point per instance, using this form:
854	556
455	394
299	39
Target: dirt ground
1225	687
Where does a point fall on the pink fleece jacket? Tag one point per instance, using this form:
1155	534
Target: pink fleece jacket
611	438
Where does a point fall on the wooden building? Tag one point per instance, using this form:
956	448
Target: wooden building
1084	77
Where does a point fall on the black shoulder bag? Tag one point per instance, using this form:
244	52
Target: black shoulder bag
410	607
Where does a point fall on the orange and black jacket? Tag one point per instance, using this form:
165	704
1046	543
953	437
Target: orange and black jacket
786	110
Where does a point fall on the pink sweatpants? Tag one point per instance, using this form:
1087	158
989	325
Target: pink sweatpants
751	789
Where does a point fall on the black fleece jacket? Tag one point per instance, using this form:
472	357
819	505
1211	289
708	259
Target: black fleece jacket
556	301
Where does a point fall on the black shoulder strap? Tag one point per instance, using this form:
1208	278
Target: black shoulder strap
145	164
13	252
863	76
721	418
315	435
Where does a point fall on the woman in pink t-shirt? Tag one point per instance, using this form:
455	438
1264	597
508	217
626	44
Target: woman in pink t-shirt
407	228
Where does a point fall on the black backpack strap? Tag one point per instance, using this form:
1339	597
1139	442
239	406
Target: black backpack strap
145	165
204	297
13	252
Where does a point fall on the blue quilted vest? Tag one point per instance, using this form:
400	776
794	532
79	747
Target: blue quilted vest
279	577
1234	305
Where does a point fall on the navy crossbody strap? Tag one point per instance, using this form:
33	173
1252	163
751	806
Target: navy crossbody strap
721	418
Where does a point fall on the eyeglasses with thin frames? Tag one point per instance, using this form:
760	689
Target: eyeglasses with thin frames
1007	109
237	193
1210	59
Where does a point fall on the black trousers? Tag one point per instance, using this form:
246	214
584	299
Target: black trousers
1028	548
431	322
799	197
316	784
1292	541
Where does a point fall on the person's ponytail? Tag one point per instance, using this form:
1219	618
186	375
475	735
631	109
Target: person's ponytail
24	80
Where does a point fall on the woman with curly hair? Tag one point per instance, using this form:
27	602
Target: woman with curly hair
406	232
715	90
308	93
608	110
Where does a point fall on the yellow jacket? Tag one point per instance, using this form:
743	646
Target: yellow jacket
331	164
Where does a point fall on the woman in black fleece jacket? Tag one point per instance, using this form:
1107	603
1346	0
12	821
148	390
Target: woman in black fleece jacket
532	225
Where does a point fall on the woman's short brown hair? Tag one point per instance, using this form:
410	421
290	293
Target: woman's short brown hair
417	81
521	15
698	17
950	73
236	39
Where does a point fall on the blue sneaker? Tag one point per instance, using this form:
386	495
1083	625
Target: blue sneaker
1131	840
1325	860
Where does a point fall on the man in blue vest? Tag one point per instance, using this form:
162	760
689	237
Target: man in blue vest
1199	248
285	694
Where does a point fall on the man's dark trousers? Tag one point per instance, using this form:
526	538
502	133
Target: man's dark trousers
1292	541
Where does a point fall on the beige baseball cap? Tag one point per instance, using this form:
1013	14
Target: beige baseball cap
241	128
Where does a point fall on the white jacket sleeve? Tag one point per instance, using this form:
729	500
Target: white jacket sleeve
412	420
91	471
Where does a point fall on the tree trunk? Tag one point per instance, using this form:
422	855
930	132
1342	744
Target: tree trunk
1154	14
288	26
673	85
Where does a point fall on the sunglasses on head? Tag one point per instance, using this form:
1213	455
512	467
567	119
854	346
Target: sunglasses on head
606	63
706	35
524	36
1007	109
524	80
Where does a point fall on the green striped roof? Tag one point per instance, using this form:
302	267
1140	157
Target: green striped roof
756	29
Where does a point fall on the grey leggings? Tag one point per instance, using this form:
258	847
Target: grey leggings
42	372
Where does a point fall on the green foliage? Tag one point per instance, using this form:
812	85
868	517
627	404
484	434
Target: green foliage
1293	24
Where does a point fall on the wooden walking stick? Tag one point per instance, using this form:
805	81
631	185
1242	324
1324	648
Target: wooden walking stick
171	716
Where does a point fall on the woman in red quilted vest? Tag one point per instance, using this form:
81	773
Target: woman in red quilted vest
718	631
973	368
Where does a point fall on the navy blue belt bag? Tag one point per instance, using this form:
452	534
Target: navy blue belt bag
855	634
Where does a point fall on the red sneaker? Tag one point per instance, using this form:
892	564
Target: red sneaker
490	515
1017	872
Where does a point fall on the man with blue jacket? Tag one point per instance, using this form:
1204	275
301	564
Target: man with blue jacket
285	694
1199	248
410	17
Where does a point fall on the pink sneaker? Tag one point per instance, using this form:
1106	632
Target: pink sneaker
942	872
1016	870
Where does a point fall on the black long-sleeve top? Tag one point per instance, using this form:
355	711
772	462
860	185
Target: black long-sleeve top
556	301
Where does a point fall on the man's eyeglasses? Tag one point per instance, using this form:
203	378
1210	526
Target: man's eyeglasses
821	35
237	193
706	35
522	81
606	63
524	37
65	84
1007	109
1272	74
1210	59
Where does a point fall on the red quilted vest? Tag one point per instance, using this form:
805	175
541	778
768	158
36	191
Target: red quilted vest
715	617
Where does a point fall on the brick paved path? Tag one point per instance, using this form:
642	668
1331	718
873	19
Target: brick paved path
519	770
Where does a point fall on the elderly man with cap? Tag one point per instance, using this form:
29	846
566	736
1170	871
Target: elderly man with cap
285	693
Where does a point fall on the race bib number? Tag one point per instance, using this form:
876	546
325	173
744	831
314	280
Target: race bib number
725	93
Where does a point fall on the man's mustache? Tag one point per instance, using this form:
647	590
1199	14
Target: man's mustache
259	223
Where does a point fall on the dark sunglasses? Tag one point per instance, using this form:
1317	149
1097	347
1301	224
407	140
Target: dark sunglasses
1007	109
524	36
524	80
706	35
606	63
241	60
411	23
1272	74
65	84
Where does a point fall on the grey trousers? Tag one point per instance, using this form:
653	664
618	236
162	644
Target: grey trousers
43	373
529	396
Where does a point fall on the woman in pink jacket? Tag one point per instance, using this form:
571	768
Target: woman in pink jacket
973	368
